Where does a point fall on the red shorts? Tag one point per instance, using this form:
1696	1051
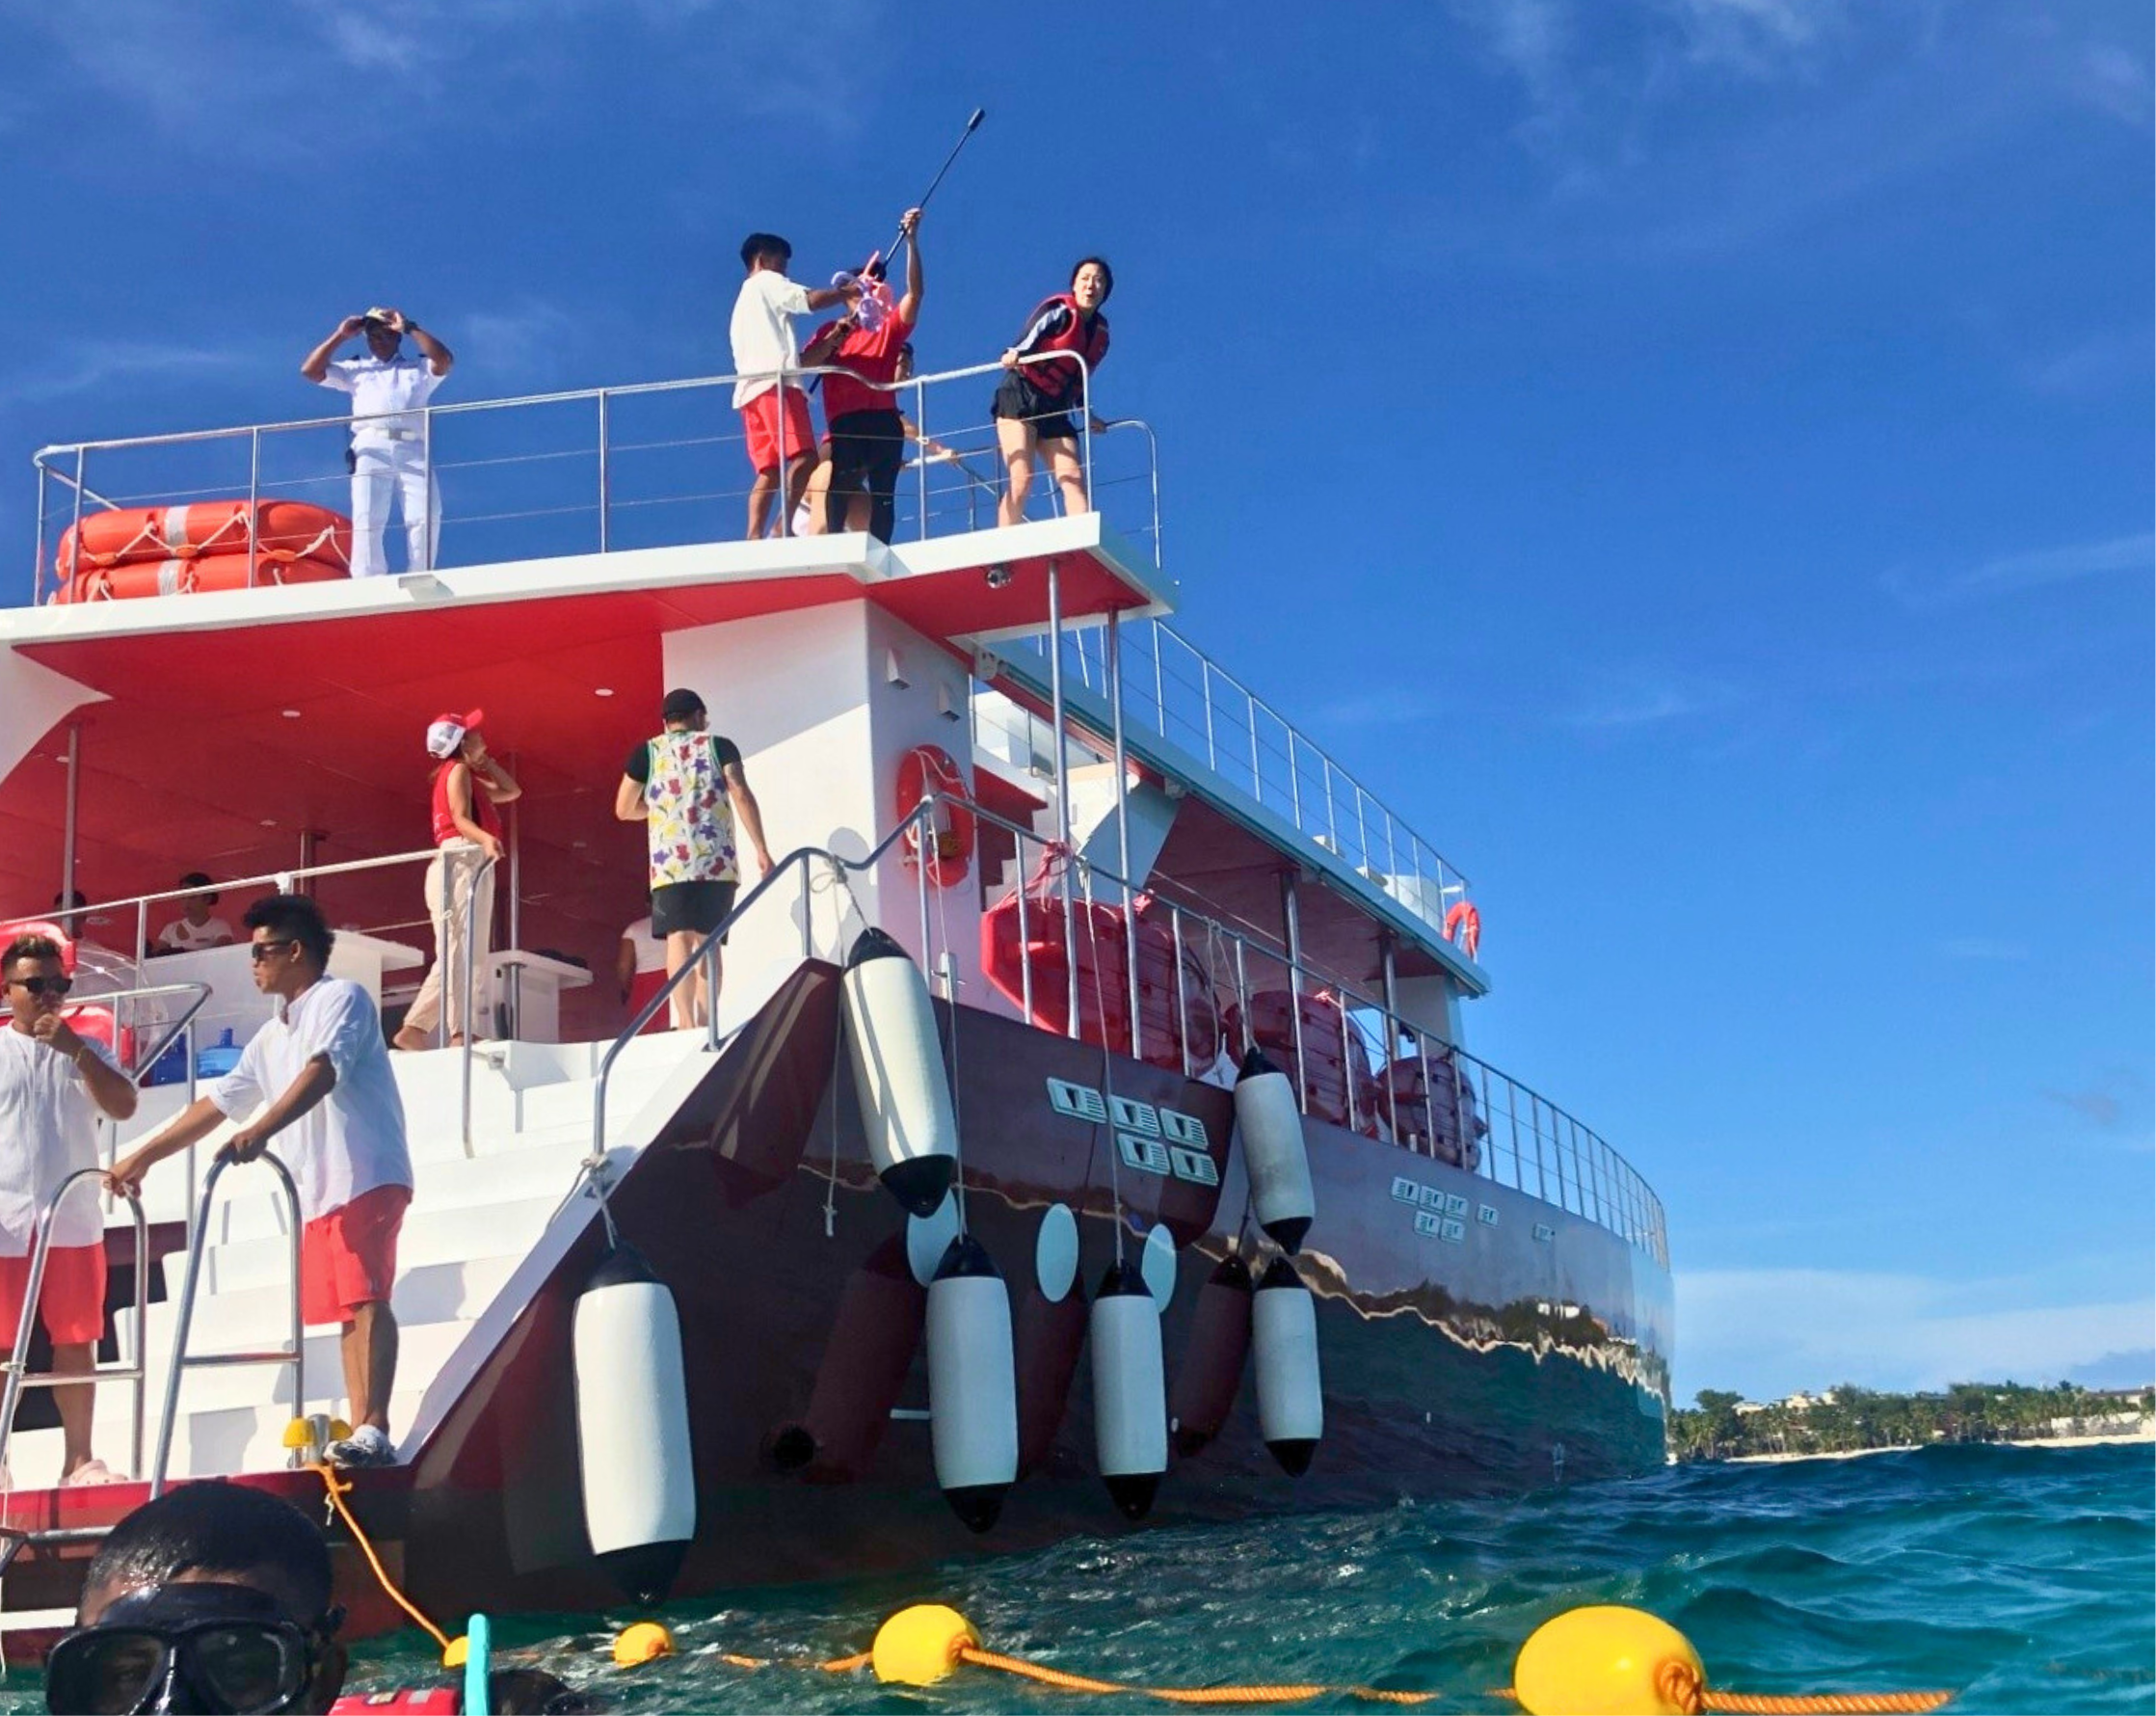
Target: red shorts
73	1303
348	1258
761	417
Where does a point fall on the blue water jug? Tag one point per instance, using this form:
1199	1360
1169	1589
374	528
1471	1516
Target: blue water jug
219	1059
169	1068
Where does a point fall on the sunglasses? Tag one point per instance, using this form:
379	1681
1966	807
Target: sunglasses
261	951
222	1665
45	985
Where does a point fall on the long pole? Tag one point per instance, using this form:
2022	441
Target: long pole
1062	792
971	125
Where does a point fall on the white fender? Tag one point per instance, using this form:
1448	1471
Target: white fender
899	1076
1283	1346
1130	1390
1273	1153
633	1451
973	1384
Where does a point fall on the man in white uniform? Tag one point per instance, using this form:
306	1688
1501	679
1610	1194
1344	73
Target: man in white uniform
53	1085
389	452
318	1082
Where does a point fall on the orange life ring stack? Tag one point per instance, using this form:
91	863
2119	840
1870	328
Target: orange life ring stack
926	770
217	545
1463	925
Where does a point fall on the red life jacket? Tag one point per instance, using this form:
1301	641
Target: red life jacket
1060	378
405	1700
483	811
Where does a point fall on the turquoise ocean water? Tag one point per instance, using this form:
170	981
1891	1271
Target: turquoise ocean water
2025	1578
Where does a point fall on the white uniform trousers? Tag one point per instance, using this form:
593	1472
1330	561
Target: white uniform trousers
381	466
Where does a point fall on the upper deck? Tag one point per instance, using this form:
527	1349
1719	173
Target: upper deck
574	528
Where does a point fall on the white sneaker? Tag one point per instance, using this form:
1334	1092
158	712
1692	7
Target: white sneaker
364	1447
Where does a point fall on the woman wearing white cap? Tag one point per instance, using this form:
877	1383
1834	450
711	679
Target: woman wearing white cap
390	441
467	786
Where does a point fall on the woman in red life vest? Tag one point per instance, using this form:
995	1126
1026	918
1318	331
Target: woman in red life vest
1066	342
467	786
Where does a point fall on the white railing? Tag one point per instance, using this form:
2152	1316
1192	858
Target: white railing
1395	1082
651	464
1172	687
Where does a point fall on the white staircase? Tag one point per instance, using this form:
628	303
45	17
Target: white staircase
472	1220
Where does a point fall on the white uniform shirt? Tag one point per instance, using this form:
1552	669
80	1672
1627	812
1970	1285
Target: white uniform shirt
401	384
353	1139
762	332
182	937
49	1129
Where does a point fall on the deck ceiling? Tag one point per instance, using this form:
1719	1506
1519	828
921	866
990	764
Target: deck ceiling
218	743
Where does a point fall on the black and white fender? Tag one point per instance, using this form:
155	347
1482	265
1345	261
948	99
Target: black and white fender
1284	1343
1273	1153
1129	1389
632	1426
899	1076
973	1390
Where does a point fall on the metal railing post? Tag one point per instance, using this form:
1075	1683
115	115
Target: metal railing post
1293	915
1024	934
1111	670
294	1357
477	874
604	487
37	557
253	507
1205	691
1181	989
426	496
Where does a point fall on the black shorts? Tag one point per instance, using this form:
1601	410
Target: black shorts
866	449
700	907
1021	401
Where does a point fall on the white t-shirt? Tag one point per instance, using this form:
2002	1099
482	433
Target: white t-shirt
401	384
49	1129
182	937
651	951
353	1139
762	332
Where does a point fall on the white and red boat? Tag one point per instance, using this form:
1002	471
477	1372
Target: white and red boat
1121	872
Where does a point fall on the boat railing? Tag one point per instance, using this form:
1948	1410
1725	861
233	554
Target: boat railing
1172	687
463	987
1399	1082
594	471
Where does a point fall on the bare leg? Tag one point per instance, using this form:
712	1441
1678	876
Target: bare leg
818	496
680	949
1069	471
798	471
1017	442
368	1348
75	1358
760	502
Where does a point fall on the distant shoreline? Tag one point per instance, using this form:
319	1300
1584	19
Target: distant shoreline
2145	1435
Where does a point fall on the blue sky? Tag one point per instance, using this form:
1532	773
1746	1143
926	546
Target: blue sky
1693	456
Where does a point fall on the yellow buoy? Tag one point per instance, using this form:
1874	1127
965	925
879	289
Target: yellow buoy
919	1645
642	1641
1606	1660
459	1652
299	1434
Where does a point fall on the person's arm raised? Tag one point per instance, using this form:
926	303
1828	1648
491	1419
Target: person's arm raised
316	364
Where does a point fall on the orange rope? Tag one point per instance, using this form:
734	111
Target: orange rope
1832	1704
337	1490
1177	1694
1685	1689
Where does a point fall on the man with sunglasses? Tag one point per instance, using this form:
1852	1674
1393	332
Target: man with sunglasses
317	1081
53	1086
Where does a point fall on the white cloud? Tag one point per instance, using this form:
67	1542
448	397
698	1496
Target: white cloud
94	362
1378	709
1976	946
1649	701
1769	1333
2009	574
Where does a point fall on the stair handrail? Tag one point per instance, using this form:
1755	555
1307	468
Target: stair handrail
294	1356
18	1365
707	950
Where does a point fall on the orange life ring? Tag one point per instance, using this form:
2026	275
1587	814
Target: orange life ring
926	770
1463	925
186	577
287	529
